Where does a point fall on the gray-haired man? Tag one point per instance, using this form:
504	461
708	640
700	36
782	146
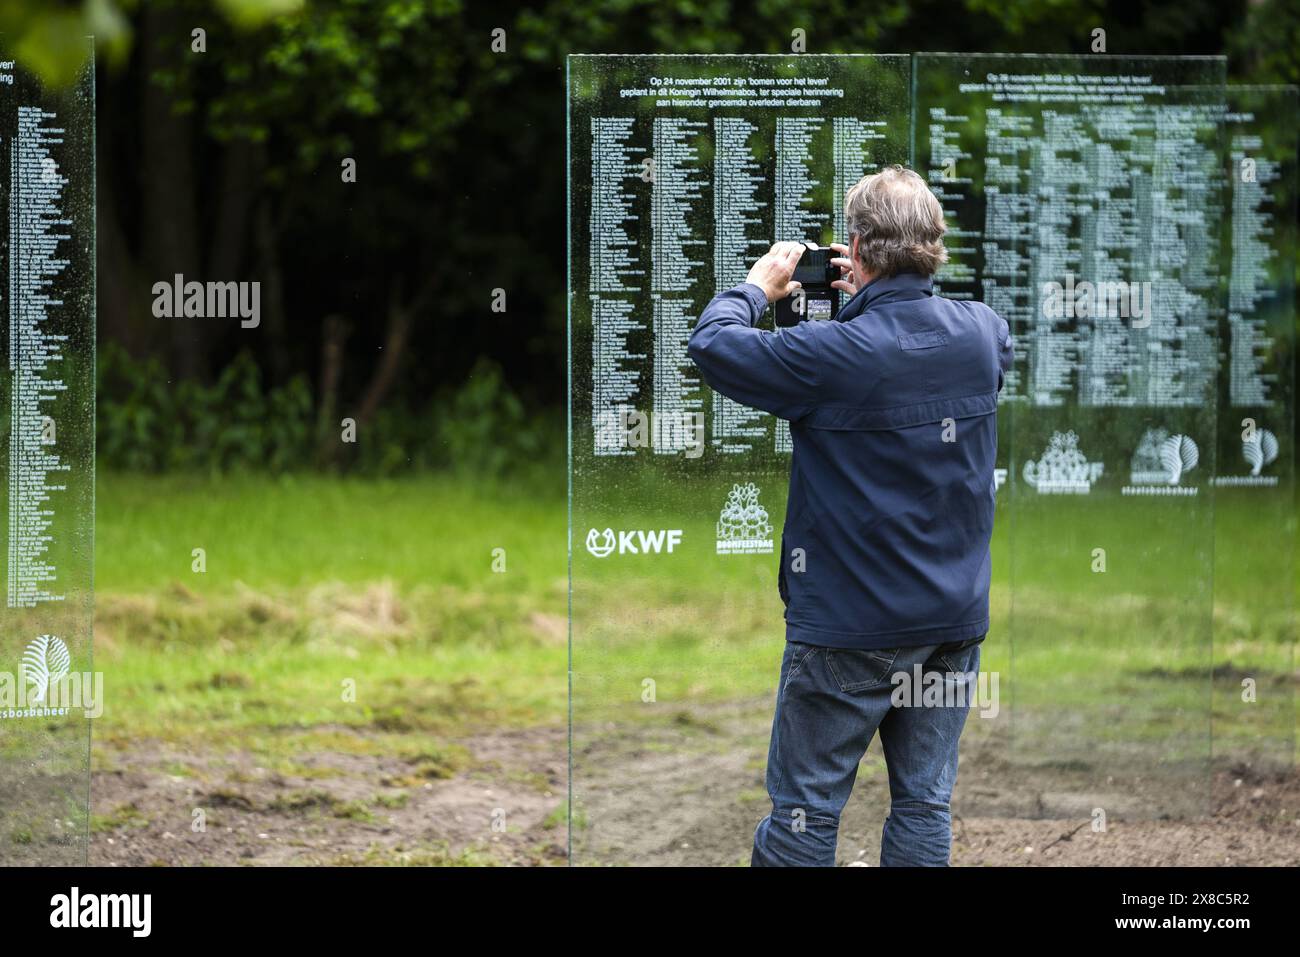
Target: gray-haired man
893	413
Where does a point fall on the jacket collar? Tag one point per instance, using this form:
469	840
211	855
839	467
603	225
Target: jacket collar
899	288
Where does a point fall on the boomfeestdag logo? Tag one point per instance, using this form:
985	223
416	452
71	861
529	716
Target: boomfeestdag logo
743	526
1160	464
46	687
633	542
1062	469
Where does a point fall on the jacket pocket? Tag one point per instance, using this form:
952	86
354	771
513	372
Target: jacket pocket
856	670
796	536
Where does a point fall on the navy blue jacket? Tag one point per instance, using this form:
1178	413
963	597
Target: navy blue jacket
893	413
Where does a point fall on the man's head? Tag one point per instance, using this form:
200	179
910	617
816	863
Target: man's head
895	225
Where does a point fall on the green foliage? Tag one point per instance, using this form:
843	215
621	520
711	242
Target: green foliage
1268	45
249	13
148	423
480	428
49	37
330	79
486	426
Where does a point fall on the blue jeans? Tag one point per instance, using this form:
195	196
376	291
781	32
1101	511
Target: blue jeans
828	706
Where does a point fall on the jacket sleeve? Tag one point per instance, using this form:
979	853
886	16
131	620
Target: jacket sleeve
776	372
1006	349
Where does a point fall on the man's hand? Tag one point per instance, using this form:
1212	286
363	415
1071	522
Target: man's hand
846	282
772	272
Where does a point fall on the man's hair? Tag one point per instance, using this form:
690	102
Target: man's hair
898	222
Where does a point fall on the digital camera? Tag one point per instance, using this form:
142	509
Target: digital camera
815	299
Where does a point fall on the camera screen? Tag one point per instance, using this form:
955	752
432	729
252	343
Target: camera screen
817	308
815	266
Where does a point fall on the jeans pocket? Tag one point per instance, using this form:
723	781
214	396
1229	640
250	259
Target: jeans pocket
797	654
961	657
859	670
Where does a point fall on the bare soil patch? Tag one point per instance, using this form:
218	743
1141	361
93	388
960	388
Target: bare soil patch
685	793
501	803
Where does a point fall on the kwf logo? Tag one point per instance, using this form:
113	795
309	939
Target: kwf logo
635	542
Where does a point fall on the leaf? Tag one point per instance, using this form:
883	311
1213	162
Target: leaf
1178	454
1259	450
1268	444
45	661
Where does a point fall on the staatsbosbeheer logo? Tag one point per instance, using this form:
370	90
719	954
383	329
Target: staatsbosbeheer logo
45	661
1160	464
1259	450
602	544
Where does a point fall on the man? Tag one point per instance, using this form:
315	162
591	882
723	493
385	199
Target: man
885	551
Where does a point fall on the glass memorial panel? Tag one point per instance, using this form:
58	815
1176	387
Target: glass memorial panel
1085	198
1136	229
1254	536
682	171
48	691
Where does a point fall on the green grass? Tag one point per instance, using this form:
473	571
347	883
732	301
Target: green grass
329	609
297	532
1147	655
336	609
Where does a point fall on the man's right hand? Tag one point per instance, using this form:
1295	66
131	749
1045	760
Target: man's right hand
773	271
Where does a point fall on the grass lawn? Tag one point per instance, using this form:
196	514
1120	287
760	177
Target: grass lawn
326	604
352	637
332	604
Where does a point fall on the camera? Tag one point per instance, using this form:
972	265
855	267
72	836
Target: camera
815	299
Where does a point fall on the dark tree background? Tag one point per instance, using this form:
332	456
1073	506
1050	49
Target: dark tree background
376	295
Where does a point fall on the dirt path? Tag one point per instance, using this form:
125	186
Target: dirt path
686	793
689	792
502	805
